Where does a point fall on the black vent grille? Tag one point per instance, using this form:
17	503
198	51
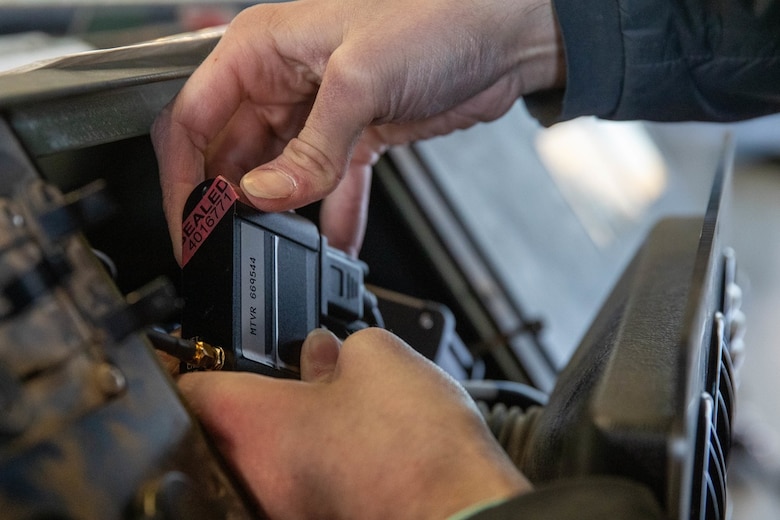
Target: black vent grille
717	404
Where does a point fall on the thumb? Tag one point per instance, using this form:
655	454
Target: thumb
313	163
319	354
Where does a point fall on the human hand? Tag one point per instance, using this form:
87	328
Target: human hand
300	96
373	430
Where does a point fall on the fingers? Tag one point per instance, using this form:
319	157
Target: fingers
196	135
384	422
319	355
344	212
181	135
313	163
215	397
181	169
377	354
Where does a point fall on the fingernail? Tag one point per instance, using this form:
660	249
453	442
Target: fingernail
268	184
321	334
318	339
319	356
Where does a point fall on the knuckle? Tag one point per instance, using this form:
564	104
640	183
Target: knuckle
316	167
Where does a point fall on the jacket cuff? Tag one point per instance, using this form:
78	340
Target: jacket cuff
593	46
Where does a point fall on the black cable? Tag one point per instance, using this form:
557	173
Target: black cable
197	354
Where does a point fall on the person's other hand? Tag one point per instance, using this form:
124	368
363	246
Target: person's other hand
298	97
373	430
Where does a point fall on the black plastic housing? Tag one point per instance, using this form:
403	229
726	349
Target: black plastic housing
257	283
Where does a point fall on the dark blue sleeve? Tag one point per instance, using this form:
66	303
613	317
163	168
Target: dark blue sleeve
667	60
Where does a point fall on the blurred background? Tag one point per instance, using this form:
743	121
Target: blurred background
557	212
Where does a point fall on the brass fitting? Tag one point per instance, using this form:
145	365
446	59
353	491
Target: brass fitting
206	356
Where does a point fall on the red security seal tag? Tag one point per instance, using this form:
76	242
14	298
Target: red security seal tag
202	220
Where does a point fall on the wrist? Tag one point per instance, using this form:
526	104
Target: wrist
484	491
536	44
482	476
